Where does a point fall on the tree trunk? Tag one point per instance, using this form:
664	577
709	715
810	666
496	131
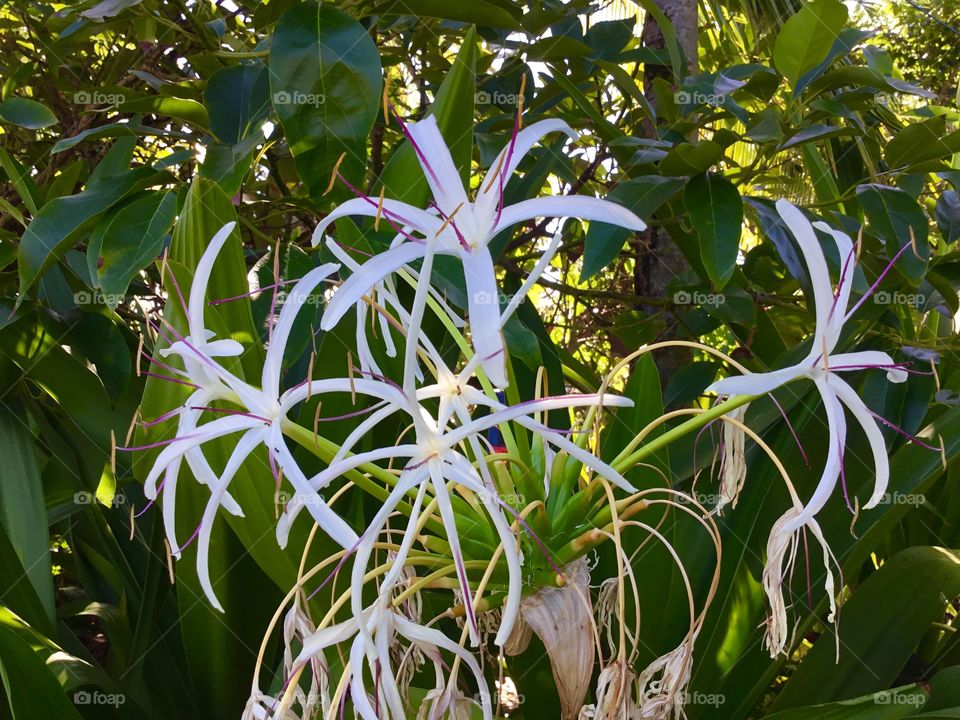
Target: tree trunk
658	259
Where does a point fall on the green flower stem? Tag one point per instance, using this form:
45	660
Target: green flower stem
621	465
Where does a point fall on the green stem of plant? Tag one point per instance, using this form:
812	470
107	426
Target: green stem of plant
621	465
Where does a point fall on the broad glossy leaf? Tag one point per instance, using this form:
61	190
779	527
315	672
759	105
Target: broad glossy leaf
127	241
889	705
31	688
481	12
716	212
909	592
922	141
896	218
325	80
806	38
58	223
23	513
237	97
26	113
948	215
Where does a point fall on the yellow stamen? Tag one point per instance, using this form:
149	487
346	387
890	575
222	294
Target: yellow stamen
496	172
133	522
913	243
133	424
113	454
523	86
316	422
169	552
376	220
943	454
313	356
936	375
859	246
448	220
856	515
139	354
333	175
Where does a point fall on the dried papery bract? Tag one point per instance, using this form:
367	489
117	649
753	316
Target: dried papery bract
519	639
615	693
562	617
733	463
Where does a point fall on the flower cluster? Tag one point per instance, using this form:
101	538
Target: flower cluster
443	472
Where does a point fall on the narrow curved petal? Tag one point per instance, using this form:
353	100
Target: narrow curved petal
583	207
837	441
483	309
369	274
489	191
223	348
757	383
878	447
245	446
441	173
204	474
201	277
363	386
847	266
295	299
320	640
538	269
867	359
400	213
331	523
806	238
425	636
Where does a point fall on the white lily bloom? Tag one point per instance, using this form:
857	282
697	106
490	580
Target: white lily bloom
456	226
822	365
258	418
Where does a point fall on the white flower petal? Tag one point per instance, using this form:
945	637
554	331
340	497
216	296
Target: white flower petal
806	238
878	447
483	309
294	300
845	285
488	193
757	383
400	213
201	276
583	207
369	274
441	173
245	446
865	359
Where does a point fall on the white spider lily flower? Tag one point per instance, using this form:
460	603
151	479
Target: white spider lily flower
373	631
435	457
822	365
259	416
456	226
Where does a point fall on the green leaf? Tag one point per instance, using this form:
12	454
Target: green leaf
686	159
31	688
236	98
26	113
325	82
644	196
127	241
480	12
56	226
20	178
920	142
948	215
895	217
806	38
189	111
889	705
23	513
909	592
716	211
